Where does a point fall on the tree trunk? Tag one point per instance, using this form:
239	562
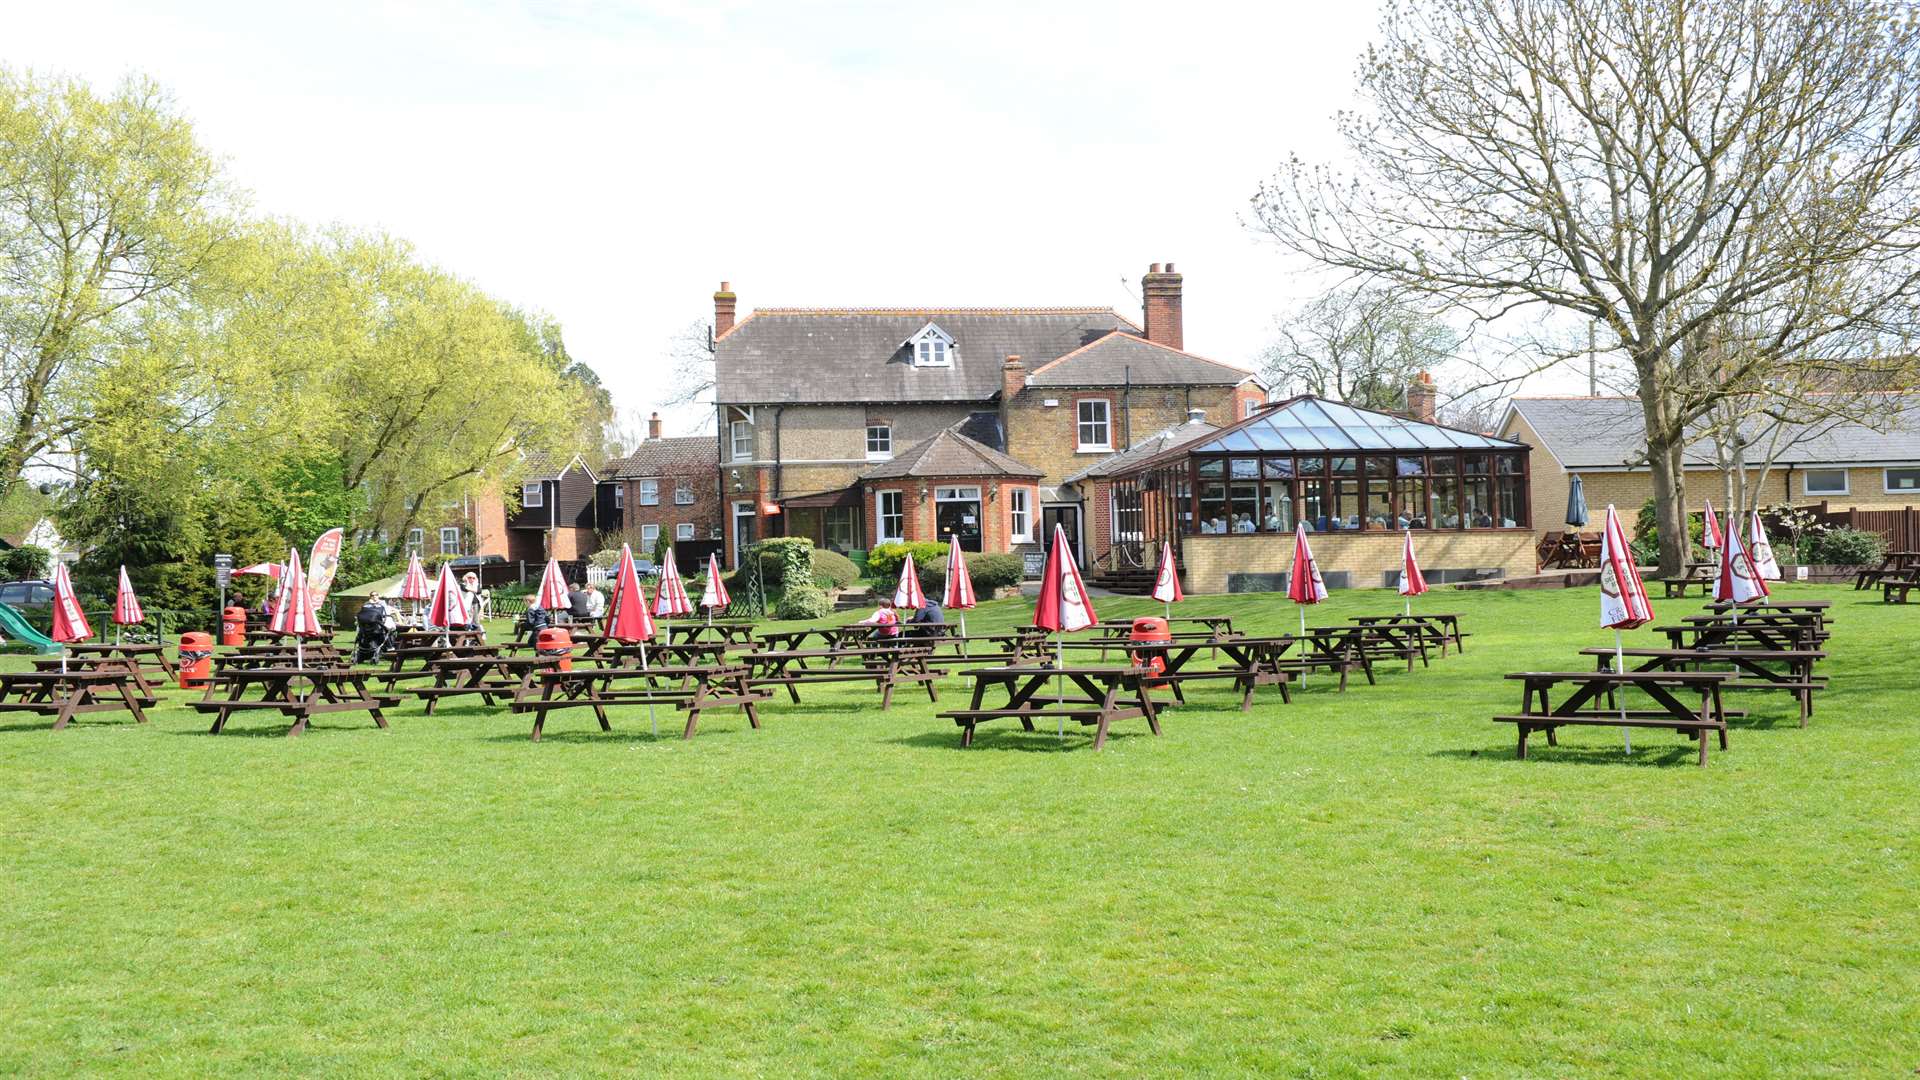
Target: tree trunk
1664	451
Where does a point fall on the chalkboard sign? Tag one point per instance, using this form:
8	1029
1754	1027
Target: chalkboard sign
1036	563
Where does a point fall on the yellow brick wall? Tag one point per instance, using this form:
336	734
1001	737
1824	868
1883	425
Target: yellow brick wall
1045	436
1366	556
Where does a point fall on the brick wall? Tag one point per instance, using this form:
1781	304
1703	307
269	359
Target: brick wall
703	514
1208	560
1046	437
489	524
921	520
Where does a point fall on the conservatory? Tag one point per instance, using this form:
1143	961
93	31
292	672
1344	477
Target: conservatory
1356	479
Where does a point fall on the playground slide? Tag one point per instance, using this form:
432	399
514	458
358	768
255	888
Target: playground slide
15	627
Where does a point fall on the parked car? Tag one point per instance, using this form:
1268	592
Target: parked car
33	599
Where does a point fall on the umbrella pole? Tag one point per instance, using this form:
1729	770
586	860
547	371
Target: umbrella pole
1619	666
1060	681
1303	641
652	721
963	628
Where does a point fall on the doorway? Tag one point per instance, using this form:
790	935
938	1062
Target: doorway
956	513
743	529
1067	516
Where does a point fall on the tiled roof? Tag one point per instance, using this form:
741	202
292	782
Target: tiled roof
657	456
949	453
826	355
1119	359
1159	442
541	465
1610	432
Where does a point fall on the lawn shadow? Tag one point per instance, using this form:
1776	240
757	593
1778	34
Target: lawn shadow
1023	742
1661	757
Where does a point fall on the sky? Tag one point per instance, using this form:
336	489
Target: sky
612	162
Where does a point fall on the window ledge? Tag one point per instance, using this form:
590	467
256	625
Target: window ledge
1093	449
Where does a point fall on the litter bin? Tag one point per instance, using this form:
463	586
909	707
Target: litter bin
196	660
233	626
555	641
1150	628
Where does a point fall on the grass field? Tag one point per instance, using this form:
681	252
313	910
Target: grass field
1366	884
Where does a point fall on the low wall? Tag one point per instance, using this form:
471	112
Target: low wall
1257	562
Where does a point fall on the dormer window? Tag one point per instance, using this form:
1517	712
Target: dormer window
931	347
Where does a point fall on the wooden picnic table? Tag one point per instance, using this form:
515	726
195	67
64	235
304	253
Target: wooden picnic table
244	657
1212	624
490	676
276	637
1439	627
691	688
885	667
299	692
1696	573
1099	696
1776	630
1371	643
684	652
1751	668
64	695
731	631
149	655
1245	665
1894	564
1579	707
145	689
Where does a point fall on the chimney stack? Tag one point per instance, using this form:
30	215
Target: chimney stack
653	426
1420	398
1013	379
723	305
1196	416
1160	293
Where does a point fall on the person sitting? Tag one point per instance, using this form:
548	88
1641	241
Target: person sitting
886	625
930	621
1219	525
1243	523
579	604
1272	523
596	604
535	620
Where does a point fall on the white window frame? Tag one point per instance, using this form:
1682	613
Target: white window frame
1886	482
880	515
739	432
444	530
533	495
1845	488
682	491
885	441
1081	424
649	537
1019	509
416	540
619	496
931	347
683	531
650	491
1120	535
956	494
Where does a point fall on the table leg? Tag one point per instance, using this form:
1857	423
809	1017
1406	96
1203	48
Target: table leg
693	709
133	703
1521	751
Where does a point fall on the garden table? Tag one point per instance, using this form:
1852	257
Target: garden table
731	631
1662	688
1099	696
64	695
489	676
1754	669
149	655
1245	665
885	666
699	687
1439	627
299	692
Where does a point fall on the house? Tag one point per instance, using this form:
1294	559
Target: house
666	487
1847	465
834	422
1228	499
558	516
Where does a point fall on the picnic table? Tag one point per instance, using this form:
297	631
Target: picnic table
1099	696
1246	665
1438	627
885	666
86	689
258	656
275	637
731	631
1778	630
1753	668
1211	624
1894	564
1369	643
299	692
142	687
1663	688
695	688
490	676
1702	574
685	652
152	656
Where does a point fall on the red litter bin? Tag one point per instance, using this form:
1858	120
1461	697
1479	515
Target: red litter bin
233	626
1150	628
196	660
555	641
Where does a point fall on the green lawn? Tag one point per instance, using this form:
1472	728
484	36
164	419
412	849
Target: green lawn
1363	884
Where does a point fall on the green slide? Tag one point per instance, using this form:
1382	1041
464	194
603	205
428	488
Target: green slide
15	627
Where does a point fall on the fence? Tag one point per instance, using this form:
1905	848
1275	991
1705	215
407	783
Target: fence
1901	527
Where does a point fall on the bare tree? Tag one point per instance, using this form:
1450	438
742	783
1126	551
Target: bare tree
1361	345
1657	167
690	365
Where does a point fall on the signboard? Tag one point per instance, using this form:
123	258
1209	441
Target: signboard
1035	564
322	565
222	571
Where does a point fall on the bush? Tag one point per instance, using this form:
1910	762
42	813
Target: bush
838	570
992	572
803	600
25	563
1847	547
605	558
883	562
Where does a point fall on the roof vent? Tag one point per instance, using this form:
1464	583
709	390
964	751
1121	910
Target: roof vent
1196	416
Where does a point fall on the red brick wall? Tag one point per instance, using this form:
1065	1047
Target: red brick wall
706	511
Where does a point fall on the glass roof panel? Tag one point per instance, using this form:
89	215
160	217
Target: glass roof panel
1236	441
1315	426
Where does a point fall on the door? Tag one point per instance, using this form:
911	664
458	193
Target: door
957	514
1068	518
743	537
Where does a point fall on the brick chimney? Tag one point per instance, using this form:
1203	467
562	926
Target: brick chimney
1420	397
1013	379
653	426
723	305
1160	293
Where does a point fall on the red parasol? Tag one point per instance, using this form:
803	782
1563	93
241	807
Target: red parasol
1063	603
552	595
1166	579
414	585
1412	581
1304	583
670	597
69	622
126	605
1762	552
960	594
1710	529
907	594
261	569
628	619
715	594
449	606
1739	579
1623	599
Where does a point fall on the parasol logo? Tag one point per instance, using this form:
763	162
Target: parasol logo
1609	579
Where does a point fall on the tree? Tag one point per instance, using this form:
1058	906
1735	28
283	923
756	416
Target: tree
109	213
1360	345
1661	168
690	365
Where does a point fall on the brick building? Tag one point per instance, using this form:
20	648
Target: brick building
559	511
814	406
1842	464
666	487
